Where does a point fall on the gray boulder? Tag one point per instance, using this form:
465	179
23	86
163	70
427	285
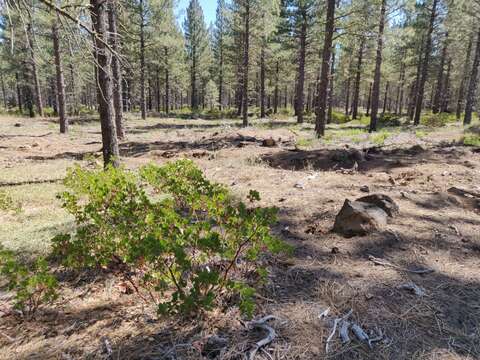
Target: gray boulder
359	218
384	202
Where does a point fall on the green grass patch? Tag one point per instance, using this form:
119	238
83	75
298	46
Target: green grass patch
471	140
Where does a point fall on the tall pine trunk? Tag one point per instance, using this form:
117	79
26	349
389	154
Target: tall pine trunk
331	91
437	100
262	82
34	77
104	83
246	63
325	70
116	69
301	68
461	89
378	69
356	91
369	100
276	91
143	100
473	84
19	93
60	81
167	83
425	64
385	98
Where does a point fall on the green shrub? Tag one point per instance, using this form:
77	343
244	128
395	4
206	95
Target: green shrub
437	120
471	140
48	111
339	118
179	237
389	120
33	286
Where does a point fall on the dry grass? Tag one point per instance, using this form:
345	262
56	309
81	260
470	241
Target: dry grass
442	325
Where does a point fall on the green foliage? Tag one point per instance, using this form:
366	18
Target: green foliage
389	120
33	286
437	120
471	140
339	118
182	237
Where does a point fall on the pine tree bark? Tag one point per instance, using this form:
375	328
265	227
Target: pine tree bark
276	91
35	78
19	93
143	100
437	100
60	81
358	75
445	102
369	101
331	91
378	69
385	98
463	82
246	63
300	97
167	83
425	64
325	70
473	84
262	82
116	69
110	149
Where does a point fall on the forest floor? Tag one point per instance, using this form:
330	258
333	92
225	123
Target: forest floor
308	180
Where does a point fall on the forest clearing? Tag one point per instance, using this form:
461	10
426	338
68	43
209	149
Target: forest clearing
239	180
415	166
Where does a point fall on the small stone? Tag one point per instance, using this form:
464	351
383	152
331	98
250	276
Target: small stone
17	125
299	186
365	189
335	250
269	142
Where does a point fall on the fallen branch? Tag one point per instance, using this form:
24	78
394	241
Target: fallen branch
30	182
261	324
383	262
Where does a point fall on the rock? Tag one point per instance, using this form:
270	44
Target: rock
269	142
214	346
359	218
335	250
384	202
17	125
365	189
299	186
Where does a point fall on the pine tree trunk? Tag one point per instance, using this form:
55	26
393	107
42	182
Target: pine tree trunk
262	82
473	84
399	107
445	103
369	101
276	91
220	76
437	100
143	100
385	98
4	94
426	61
35	78
378	68
104	83
116	69
331	90
347	94
60	83
19	93
246	62
300	99
461	89
356	93
167	83
325	69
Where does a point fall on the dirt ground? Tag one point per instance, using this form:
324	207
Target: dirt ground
308	180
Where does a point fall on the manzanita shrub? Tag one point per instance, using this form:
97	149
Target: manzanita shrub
177	237
32	285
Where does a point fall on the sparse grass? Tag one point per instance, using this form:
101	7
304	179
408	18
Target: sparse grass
471	140
421	134
379	138
305	142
